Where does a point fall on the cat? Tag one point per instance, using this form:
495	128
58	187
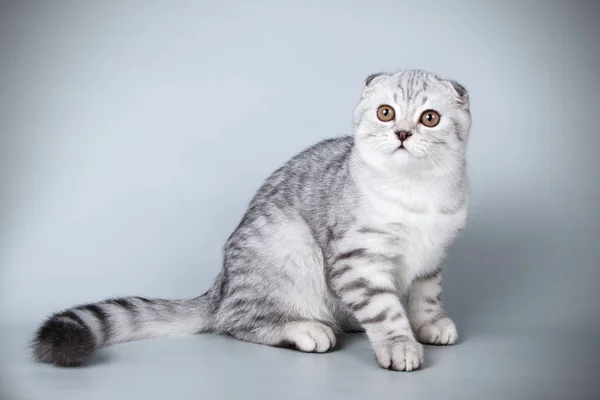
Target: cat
349	235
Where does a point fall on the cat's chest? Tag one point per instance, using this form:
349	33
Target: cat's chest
424	239
420	231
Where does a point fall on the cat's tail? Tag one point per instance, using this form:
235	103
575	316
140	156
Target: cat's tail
69	338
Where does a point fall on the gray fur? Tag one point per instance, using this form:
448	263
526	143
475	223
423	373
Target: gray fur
371	77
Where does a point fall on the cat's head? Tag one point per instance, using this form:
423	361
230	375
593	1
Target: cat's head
412	118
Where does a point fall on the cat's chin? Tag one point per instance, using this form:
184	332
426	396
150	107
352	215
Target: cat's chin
403	155
407	155
406	160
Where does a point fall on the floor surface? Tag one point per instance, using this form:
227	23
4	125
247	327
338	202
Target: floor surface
525	365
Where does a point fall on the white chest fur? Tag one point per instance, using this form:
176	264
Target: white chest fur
423	217
425	240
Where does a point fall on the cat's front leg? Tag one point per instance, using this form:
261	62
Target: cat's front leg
364	283
426	313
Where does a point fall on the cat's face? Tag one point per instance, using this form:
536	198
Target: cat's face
410	119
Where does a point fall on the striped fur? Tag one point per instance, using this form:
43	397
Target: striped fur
68	338
332	241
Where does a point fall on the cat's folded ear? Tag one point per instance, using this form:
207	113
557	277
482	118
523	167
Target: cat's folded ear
370	82
373	77
460	92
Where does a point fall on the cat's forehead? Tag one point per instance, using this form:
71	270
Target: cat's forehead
410	87
414	79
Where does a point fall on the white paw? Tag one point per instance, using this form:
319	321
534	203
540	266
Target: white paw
308	336
442	332
401	354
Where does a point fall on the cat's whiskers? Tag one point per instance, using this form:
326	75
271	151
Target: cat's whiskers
442	169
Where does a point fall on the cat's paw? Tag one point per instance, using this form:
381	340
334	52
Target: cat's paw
401	354
308	336
441	332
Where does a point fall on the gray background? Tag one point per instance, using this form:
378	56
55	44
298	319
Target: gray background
134	133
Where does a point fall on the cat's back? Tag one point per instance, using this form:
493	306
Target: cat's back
326	154
314	169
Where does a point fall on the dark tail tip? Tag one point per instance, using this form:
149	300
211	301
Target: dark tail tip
63	342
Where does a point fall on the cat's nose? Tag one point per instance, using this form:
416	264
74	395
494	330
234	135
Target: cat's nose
403	135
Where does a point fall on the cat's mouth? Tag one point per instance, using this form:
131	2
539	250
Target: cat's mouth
402	149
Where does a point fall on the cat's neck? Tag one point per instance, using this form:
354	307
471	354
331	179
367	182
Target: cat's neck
420	182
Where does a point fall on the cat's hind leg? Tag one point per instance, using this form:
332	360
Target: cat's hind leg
273	288
306	336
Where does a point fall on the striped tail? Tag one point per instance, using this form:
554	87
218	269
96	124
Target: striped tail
69	338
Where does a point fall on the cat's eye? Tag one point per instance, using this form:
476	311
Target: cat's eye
385	113
430	118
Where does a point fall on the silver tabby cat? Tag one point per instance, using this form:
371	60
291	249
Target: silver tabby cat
348	235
